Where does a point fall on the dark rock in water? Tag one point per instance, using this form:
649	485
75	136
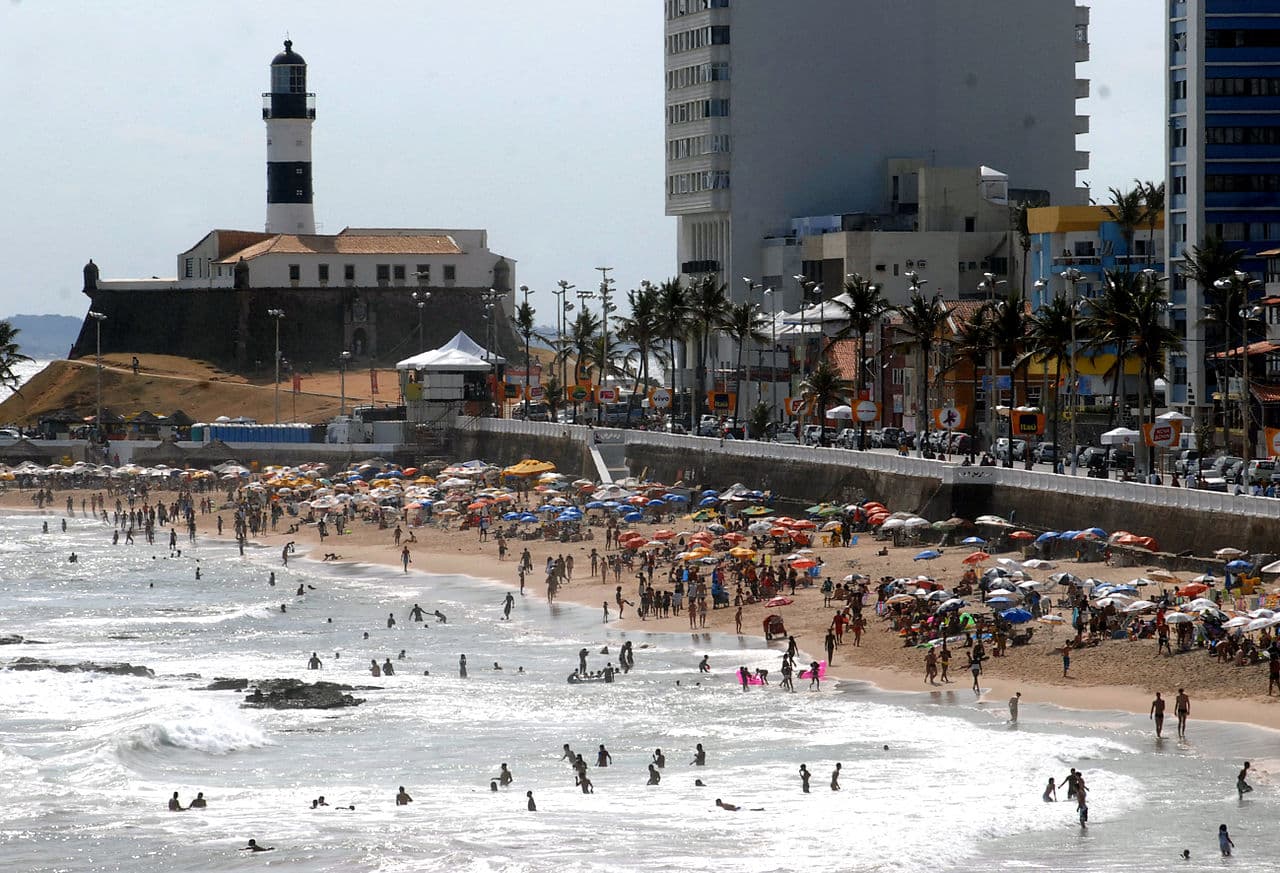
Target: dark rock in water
296	694
123	637
227	685
12	640
82	667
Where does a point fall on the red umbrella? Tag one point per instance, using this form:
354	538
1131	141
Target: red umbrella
1195	589
1022	535
976	558
804	563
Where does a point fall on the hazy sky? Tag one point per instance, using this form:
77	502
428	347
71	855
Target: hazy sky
134	128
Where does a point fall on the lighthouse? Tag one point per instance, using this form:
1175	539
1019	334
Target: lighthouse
289	110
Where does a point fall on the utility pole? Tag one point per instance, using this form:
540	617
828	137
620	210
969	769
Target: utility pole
99	318
277	314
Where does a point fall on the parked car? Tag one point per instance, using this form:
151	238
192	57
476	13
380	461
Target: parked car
532	412
1260	472
1002	449
1186	459
786	438
847	438
1045	453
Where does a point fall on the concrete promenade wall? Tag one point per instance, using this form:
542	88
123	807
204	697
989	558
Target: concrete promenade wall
1181	519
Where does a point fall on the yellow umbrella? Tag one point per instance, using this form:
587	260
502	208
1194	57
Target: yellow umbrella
743	552
529	467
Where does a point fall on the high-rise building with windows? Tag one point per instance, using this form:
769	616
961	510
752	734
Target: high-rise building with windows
1223	148
781	110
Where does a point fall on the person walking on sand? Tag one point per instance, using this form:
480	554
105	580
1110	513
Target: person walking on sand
931	667
1243	787
975	667
1066	660
405	560
737	622
1182	709
1157	713
1224	841
507	603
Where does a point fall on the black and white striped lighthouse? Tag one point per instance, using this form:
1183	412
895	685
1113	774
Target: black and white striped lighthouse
289	110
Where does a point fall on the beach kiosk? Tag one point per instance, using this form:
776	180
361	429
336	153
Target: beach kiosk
459	378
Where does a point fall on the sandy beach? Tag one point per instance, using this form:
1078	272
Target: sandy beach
1117	675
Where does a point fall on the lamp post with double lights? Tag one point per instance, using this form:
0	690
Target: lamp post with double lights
772	297
991	285
751	288
606	308
1242	283
343	359
562	317
276	315
1073	277
492	300
99	317
420	299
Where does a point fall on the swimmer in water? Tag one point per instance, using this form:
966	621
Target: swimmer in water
200	803
654	776
533	807
699	757
1050	792
727	807
254	847
504	776
175	805
440	617
659	758
403	798
704	666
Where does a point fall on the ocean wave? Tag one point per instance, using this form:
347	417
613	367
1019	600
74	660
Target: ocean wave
212	735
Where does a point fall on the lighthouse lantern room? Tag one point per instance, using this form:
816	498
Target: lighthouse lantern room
289	110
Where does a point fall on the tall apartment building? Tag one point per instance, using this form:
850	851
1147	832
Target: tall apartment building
781	110
1223	148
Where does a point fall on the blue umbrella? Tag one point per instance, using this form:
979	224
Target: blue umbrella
1001	600
1068	534
710	492
927	555
675	498
611	504
974	541
568	516
708	501
1096	531
632	516
656	502
1239	566
595	504
546	507
1045	537
1016	616
510	516
529	518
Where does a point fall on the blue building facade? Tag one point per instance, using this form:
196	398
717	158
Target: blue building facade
1223	149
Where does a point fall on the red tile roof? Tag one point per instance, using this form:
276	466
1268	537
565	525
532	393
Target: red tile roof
1266	393
1261	347
348	244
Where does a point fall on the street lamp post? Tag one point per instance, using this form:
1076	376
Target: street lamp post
562	316
605	308
343	358
1243	283
420	299
528	363
583	294
99	317
991	284
277	314
492	304
773	352
1072	277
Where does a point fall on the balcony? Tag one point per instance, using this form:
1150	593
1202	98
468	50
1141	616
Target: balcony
1082	89
288	106
1082	124
1082	160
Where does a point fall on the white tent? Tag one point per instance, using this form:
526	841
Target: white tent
461	354
1120	436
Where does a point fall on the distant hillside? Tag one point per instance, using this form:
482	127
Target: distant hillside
46	336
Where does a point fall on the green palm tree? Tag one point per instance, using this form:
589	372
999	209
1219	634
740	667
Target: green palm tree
1009	325
864	310
1153	203
973	345
1108	325
823	385
1151	337
1128	211
672	308
707	302
1049	336
1205	264
524	324
581	341
642	329
921	329
10	356
744	323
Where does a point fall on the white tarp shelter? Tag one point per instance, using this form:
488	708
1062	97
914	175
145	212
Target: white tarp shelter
461	354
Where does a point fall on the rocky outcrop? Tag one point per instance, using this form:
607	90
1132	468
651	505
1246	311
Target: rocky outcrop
82	667
296	694
227	685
